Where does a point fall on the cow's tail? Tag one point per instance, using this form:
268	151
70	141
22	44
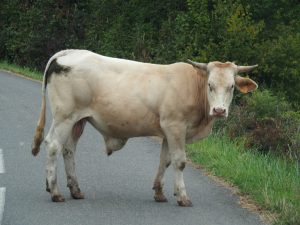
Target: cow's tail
39	131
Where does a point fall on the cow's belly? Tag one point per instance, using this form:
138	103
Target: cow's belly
124	125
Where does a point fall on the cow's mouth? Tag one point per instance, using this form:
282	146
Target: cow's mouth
219	112
220	115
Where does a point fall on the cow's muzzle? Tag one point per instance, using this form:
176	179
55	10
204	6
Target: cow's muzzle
219	112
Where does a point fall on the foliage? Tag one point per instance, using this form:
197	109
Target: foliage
23	71
267	122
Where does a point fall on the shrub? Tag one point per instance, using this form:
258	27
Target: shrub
267	122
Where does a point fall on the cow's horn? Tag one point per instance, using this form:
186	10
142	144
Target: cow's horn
242	69
198	65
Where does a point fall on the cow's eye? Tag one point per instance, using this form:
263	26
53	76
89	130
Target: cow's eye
230	88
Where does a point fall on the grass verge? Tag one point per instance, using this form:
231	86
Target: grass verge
272	183
4	65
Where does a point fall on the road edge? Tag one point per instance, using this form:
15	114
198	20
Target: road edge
20	75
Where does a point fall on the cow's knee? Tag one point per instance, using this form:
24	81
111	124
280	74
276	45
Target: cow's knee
179	160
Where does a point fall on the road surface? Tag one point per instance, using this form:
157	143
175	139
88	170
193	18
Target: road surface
118	189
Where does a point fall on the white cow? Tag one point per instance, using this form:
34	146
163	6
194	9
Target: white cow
124	99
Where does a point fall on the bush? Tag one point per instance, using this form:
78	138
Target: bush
267	122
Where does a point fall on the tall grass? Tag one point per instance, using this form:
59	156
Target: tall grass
272	182
34	74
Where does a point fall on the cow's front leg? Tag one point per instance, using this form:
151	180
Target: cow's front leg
164	163
175	133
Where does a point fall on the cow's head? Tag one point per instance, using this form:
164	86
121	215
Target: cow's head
222	78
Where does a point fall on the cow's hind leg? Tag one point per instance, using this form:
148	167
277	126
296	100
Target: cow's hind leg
164	163
69	159
54	142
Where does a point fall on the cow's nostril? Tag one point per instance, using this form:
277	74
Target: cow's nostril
219	111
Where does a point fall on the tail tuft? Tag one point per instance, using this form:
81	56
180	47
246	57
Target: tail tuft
39	131
38	139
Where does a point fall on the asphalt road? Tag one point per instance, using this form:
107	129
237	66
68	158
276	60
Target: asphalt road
118	189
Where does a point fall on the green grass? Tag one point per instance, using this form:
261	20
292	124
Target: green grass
271	182
4	65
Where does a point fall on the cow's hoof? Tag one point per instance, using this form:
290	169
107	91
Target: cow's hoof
77	195
58	198
160	198
185	202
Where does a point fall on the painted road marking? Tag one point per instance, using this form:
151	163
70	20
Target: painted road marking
2	189
2	202
2	168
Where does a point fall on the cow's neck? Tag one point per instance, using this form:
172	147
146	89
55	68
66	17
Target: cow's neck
202	125
201	96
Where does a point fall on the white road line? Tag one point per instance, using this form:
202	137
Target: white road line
2	203
2	168
2	189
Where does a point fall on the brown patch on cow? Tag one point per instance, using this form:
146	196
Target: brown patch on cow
182	166
56	68
47	186
168	164
67	152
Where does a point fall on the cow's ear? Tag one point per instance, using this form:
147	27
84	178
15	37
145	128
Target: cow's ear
245	85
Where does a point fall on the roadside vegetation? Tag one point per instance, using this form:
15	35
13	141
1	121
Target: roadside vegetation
273	183
26	71
266	122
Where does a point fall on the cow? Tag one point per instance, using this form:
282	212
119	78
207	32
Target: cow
123	99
